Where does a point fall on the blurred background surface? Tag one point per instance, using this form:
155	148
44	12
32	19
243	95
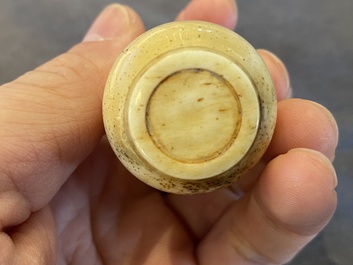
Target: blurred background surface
314	38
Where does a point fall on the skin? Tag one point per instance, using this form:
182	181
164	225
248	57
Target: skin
65	199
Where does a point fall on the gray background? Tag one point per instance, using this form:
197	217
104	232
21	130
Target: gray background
314	38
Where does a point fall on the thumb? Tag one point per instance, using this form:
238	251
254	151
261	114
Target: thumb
50	118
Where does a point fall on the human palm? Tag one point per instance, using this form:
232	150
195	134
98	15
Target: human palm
64	196
113	217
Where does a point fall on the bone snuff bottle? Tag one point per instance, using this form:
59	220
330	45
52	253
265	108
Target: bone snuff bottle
189	107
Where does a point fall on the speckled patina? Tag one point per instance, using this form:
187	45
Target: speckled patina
189	107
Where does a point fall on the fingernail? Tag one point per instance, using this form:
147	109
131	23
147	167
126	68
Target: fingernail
334	127
110	23
238	192
322	159
334	177
276	62
227	9
234	18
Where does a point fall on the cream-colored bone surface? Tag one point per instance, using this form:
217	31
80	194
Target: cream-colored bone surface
189	107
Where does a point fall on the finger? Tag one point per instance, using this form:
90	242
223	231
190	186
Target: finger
222	12
300	124
31	243
293	200
278	73
50	118
306	124
201	211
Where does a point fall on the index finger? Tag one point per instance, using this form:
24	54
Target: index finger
222	12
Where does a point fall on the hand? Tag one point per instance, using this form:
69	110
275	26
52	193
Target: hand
65	199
